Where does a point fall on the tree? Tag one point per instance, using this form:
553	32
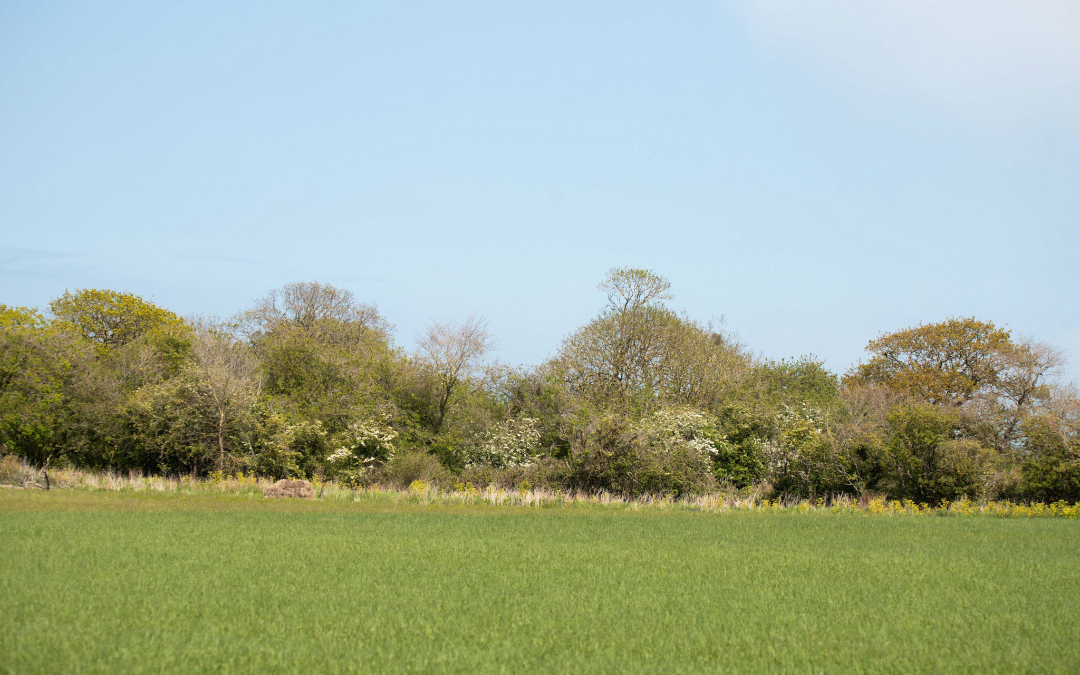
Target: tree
1051	457
927	460
21	317
110	318
945	363
321	350
629	288
451	351
320	311
638	353
1022	385
226	371
55	399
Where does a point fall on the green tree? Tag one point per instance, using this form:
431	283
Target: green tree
1051	460
321	352
927	460
55	400
108	318
321	312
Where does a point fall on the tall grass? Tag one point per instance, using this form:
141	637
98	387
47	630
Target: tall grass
16	473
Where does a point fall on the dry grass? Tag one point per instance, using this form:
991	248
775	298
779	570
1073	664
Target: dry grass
295	489
424	493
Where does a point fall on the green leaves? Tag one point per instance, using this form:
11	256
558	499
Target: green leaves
110	318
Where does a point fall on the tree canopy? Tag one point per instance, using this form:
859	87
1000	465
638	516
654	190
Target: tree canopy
942	363
640	399
110	318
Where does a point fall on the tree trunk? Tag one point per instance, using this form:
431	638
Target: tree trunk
221	441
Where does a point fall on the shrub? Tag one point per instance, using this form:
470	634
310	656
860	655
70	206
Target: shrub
1051	465
363	445
11	470
512	443
664	454
806	461
741	442
545	473
925	460
406	467
289	448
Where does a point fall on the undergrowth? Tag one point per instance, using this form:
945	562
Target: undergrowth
19	475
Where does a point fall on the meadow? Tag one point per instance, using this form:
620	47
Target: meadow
145	582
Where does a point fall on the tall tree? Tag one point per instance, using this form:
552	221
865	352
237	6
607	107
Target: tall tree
227	373
451	351
945	363
637	352
319	311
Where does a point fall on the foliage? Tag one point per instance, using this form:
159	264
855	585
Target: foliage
513	442
110	318
925	458
664	455
942	363
20	317
801	380
1051	464
361	446
638	354
802	460
406	467
640	400
743	432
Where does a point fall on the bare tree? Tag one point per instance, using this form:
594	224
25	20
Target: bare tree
1026	371
452	351
227	373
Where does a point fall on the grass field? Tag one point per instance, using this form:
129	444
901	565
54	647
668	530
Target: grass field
96	582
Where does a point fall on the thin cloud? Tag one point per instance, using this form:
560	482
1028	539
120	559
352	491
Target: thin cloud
1001	62
28	262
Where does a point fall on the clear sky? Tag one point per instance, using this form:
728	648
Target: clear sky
815	173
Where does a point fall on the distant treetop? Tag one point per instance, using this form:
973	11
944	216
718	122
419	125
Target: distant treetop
110	318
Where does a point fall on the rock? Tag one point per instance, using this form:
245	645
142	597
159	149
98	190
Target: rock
299	489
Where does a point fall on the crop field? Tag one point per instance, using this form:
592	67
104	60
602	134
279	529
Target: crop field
97	582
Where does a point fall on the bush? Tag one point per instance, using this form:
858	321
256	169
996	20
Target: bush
512	443
740	441
361	447
662	455
1051	465
804	461
925	460
546	473
11	470
406	467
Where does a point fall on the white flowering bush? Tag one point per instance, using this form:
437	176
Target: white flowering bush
515	442
671	429
362	445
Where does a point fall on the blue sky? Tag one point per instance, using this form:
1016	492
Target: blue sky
815	173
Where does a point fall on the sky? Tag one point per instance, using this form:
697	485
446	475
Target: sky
812	173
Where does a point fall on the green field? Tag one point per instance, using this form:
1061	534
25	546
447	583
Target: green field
125	583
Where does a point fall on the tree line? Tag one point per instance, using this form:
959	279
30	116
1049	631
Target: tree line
308	382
